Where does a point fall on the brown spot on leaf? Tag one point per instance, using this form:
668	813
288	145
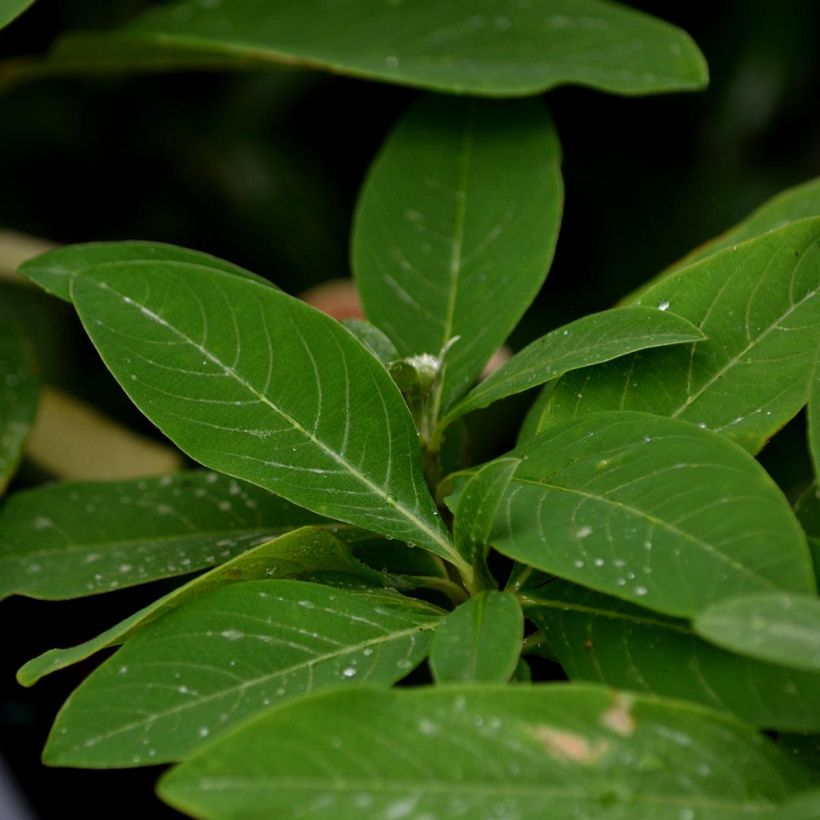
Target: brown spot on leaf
619	716
588	644
569	747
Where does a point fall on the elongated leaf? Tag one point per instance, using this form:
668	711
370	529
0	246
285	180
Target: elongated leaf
759	309
807	510
10	9
652	510
491	47
814	414
479	641
373	339
478	751
778	627
599	638
456	227
219	659
591	340
54	270
79	538
19	390
258	385
306	551
477	508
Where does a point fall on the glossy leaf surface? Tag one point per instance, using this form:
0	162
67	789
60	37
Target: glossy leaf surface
80	538
599	638
479	641
572	751
216	661
778	627
256	384
652	510
456	227
759	309
492	47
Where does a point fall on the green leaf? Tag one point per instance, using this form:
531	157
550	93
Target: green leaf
479	641
601	639
652	510
54	270
79	538
11	9
477	506
19	392
373	339
217	660
455	229
481	751
814	414
773	626
256	384
591	340
757	305
490	47
304	552
807	511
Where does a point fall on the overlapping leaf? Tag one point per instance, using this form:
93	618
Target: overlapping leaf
490	47
217	660
599	638
258	385
80	538
478	751
304	552
479	641
652	510
807	510
456	227
757	303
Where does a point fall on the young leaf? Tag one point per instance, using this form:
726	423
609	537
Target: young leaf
256	384
217	660
601	639
11	9
54	270
652	510
80	538
373	339
306	551
479	641
480	751
591	340
492	48
19	391
456	227
778	627
757	305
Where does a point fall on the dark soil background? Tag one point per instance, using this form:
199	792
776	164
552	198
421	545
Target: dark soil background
263	169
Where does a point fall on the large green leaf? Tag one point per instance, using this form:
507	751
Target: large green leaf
757	305
80	538
653	510
599	638
10	9
591	340
19	391
479	641
490	47
456	227
814	414
259	385
54	270
807	510
779	627
215	661
303	552
556	751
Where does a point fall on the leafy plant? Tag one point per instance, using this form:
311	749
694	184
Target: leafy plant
345	542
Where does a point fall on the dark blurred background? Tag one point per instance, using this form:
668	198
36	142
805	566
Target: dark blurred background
263	169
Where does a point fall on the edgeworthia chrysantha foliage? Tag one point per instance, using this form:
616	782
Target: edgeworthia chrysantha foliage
217	660
778	627
602	639
256	384
757	303
455	230
19	390
653	510
480	751
304	552
490	47
80	538
479	641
